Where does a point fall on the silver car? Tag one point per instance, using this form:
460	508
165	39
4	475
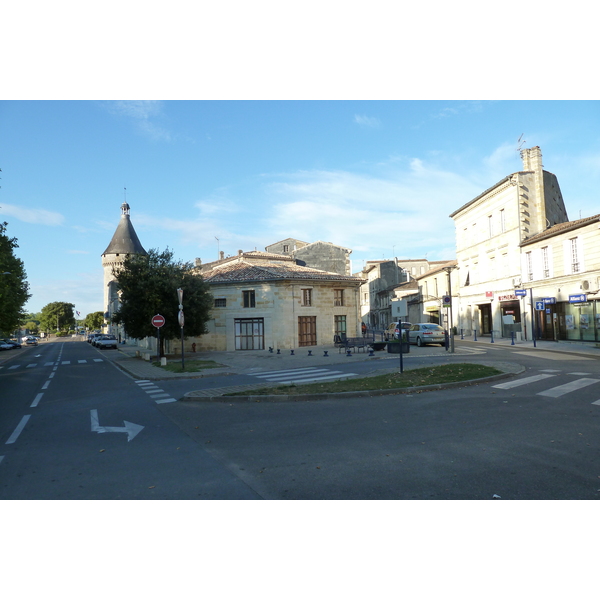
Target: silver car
426	333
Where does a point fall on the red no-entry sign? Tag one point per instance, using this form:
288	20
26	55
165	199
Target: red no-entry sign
158	320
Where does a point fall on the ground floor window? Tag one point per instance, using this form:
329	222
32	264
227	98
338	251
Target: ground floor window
307	331
339	324
249	334
578	321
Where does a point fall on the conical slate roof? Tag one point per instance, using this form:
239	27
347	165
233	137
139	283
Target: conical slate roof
125	239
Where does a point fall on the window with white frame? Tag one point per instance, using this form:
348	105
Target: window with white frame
529	266
490	226
574	254
545	262
502	221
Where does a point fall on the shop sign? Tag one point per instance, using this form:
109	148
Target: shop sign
577	298
507	297
521	292
489	294
549	300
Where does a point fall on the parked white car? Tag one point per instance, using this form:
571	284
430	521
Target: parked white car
426	333
106	341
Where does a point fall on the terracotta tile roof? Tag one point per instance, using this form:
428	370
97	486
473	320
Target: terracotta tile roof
559	228
244	271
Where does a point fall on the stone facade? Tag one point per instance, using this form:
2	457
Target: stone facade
263	303
317	255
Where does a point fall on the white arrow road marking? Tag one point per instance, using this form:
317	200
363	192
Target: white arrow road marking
131	429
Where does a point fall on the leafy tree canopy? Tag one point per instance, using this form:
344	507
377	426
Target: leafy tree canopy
57	315
148	286
94	320
14	289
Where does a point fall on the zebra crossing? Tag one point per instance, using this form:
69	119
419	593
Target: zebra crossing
51	364
303	375
156	393
583	380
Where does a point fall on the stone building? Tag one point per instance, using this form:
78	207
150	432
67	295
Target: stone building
123	243
264	300
523	264
324	256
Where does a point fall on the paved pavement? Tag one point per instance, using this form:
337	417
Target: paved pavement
130	359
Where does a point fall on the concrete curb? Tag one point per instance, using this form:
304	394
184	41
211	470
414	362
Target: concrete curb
341	395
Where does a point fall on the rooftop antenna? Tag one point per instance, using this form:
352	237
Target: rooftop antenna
520	143
218	248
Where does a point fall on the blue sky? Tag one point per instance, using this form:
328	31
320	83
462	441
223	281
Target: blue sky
378	177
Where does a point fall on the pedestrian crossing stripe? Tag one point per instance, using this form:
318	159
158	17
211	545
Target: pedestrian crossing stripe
304	375
572	386
518	382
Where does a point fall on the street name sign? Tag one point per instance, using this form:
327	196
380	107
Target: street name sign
520	292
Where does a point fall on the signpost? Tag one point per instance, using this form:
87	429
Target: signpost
158	321
181	320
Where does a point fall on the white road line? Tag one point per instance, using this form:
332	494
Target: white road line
45	386
15	434
14	367
550	370
288	371
66	362
142	380
51	375
31	365
578	373
287	375
36	401
344	375
165	400
158	394
98	360
81	362
49	364
511	384
561	390
597	402
1	458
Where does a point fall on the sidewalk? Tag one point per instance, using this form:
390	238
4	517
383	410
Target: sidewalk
250	361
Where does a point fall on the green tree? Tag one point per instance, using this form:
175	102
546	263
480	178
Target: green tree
14	289
94	320
148	286
57	315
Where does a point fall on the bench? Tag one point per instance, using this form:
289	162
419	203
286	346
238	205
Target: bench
358	342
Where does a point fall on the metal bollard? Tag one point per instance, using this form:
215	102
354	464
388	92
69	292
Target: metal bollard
325	353
371	352
492	332
475	335
310	352
278	351
270	350
512	338
292	353
348	352
462	336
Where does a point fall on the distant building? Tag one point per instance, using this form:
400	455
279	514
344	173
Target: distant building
316	255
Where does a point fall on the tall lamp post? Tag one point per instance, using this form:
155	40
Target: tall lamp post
450	323
181	322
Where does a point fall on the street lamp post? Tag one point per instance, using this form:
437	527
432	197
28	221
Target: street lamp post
450	324
181	322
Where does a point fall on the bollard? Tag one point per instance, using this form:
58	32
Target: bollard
270	350
512	338
292	353
348	352
371	352
325	353
462	337
475	335
492	332
310	352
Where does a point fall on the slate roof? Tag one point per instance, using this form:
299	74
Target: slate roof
243	271
559	228
125	239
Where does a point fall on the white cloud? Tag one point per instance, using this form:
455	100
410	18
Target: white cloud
37	216
365	121
142	111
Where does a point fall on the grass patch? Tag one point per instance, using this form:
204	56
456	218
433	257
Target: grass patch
391	381
191	366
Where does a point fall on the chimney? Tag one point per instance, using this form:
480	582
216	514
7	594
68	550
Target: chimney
198	262
240	252
221	255
532	159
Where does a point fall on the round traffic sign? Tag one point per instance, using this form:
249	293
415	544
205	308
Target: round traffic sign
158	320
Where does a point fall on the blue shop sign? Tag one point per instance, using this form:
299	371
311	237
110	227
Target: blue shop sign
520	292
577	298
549	300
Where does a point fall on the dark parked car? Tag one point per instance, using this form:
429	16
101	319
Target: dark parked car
11	343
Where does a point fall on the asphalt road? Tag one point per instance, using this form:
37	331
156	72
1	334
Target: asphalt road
66	414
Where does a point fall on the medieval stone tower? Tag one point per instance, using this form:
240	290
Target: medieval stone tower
124	242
